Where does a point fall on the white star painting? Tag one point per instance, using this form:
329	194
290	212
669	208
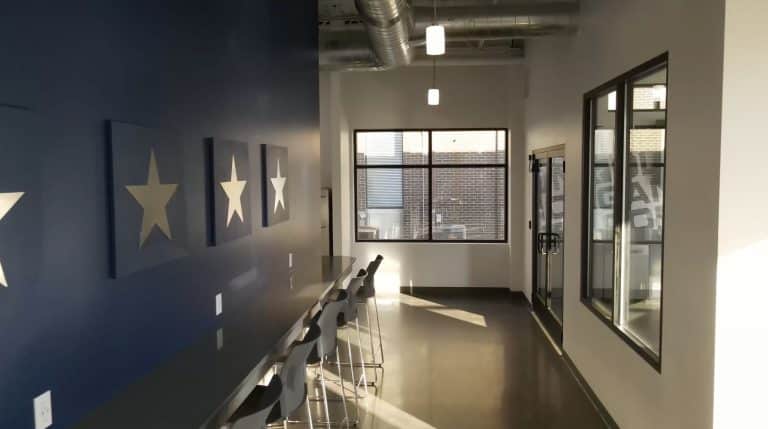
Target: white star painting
148	204
7	201
275	184
229	170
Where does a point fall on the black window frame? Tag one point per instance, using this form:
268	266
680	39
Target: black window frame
622	84
429	166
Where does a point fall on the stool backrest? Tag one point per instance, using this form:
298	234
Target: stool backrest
326	346
350	311
294	372
373	266
369	290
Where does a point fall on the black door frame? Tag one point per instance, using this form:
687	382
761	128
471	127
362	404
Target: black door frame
541	309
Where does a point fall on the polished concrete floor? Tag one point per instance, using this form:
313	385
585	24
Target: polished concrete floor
477	362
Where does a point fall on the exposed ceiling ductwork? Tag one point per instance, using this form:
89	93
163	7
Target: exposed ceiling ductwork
386	33
389	24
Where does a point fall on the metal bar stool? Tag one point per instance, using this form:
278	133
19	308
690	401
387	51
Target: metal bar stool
364	295
350	314
327	351
260	408
293	375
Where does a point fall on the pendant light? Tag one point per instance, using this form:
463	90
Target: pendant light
433	93
435	35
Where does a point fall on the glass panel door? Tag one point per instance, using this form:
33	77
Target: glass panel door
548	228
556	261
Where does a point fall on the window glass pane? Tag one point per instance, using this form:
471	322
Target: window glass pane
640	312
392	147
384	188
469	147
542	215
603	149
468	203
557	259
392	204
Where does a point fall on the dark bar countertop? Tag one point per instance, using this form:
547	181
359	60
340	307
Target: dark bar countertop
201	386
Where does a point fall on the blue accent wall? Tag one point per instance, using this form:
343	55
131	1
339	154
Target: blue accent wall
237	69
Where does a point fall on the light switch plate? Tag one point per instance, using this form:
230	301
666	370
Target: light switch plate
43	411
219	305
290	260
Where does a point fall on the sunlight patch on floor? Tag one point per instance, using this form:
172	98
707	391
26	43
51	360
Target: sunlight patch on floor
381	410
436	308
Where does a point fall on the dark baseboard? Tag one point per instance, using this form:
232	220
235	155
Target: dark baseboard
459	292
610	423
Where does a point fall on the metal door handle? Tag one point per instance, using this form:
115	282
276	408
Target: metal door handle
554	243
542	242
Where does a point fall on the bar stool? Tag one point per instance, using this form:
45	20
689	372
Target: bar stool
364	295
260	408
293	375
328	349
350	314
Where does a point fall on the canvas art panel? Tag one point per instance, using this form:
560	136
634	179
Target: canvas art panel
148	218
275	185
229	190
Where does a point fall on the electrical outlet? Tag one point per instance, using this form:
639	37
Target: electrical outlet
43	411
290	260
219	305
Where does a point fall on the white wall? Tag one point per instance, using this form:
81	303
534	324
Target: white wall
616	36
742	286
471	97
334	158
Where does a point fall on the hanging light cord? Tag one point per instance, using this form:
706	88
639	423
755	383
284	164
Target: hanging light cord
434	72
434	59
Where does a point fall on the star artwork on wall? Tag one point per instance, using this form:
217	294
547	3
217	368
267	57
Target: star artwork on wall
275	186
279	184
153	198
148	215
234	190
228	180
7	201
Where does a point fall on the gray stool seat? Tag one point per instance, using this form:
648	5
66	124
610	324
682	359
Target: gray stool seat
326	319
293	373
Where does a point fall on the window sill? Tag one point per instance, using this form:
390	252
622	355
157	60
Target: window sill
646	353
435	241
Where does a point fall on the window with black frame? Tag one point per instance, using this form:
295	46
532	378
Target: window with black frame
431	185
625	165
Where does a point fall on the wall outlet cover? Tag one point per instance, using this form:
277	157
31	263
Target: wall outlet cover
43	411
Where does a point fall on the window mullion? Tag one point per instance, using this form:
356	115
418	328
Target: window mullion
429	183
618	202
